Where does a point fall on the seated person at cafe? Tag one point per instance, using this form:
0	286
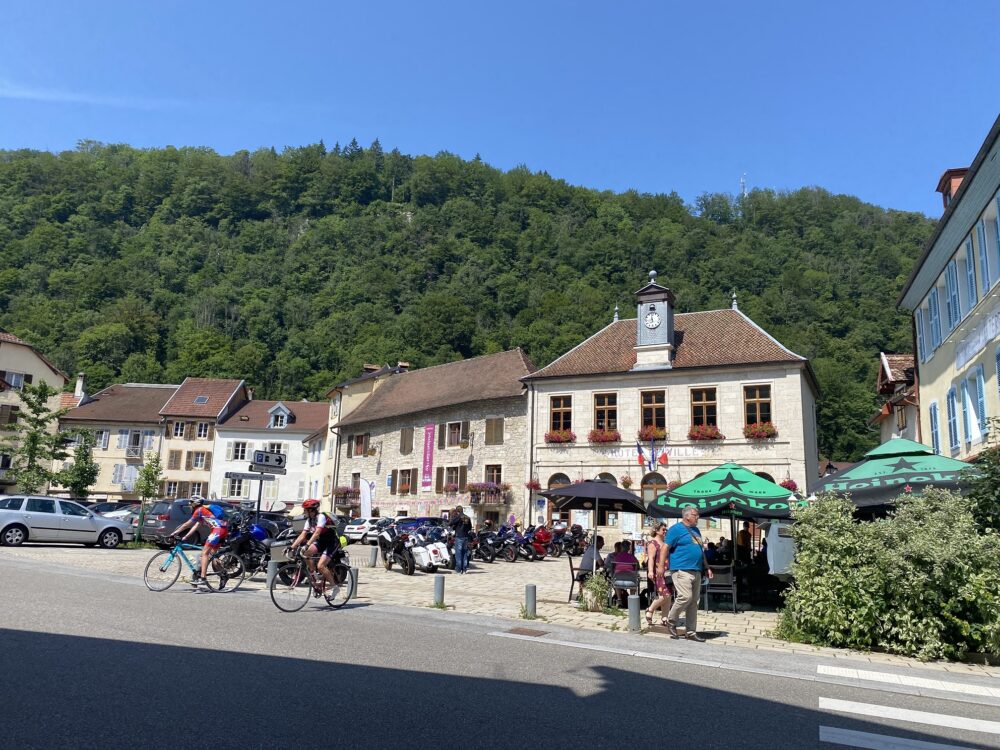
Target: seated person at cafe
712	554
625	560
591	556
743	544
609	560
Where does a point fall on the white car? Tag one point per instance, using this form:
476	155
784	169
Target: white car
35	518
358	530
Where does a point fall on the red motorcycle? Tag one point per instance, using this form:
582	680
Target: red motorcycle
539	539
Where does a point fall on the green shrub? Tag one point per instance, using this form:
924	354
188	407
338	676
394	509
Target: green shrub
923	582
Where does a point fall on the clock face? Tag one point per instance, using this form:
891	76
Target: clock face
652	320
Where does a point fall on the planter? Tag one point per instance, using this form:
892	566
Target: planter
591	603
604	436
705	432
789	484
560	436
760	431
533	484
646	434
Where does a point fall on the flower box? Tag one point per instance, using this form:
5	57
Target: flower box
625	480
404	489
649	433
346	492
560	436
450	488
705	432
760	431
789	484
604	436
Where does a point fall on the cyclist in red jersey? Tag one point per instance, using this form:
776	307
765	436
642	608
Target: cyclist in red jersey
323	539
219	531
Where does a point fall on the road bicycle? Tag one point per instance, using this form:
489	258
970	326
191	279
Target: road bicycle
294	584
225	572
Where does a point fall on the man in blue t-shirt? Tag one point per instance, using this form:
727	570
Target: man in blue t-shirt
687	561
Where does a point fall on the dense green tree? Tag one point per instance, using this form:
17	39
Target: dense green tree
81	474
31	440
292	269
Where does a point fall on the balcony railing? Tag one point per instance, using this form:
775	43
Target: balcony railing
133	453
127	486
488	498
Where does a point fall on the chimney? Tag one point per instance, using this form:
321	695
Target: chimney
367	367
404	366
949	183
80	393
250	394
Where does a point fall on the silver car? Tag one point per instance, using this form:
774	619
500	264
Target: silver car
36	518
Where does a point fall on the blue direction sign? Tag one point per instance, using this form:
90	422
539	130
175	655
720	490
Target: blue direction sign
267	458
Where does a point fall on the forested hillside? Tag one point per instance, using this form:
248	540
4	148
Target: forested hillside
292	269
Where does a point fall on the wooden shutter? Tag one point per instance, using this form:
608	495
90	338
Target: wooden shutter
170	429
395	478
439	481
211	431
4	414
442	435
174	460
350	446
183	489
188	460
189	430
465	432
368	438
28	378
208	460
229	450
246	488
414	480
463	475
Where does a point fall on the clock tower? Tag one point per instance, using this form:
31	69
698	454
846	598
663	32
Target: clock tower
654	339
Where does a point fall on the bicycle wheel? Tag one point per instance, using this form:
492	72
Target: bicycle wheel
225	572
162	571
293	595
338	594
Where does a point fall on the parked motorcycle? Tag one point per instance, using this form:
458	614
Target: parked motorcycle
430	551
395	548
481	547
574	540
251	542
506	544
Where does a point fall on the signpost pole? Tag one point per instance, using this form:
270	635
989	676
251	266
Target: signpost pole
260	491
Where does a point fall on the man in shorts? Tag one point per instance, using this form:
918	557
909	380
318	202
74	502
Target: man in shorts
323	540
215	519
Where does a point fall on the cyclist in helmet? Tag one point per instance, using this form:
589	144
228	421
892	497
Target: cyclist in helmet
320	534
212	517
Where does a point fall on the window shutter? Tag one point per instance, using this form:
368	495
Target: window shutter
498	431
161	487
189	430
122	439
981	397
170	429
463	475
211	431
116	474
28	377
395	477
184	489
368	438
229	450
3	375
350	446
305	453
439	481
414	480
208	460
970	274
147	439
935	435
984	260
246	489
5	413
188	460
465	432
105	439
442	436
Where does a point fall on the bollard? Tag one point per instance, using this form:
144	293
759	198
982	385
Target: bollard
373	556
439	590
354	583
633	613
272	571
529	601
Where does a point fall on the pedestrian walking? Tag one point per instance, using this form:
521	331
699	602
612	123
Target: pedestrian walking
462	526
656	572
687	562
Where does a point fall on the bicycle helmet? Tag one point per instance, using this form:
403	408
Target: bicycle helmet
197	500
310	505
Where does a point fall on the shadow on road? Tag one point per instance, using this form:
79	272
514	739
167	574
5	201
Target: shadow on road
70	691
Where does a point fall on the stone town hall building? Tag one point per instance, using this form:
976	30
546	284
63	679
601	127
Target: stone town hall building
714	371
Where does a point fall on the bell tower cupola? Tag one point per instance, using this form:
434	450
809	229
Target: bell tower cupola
654	340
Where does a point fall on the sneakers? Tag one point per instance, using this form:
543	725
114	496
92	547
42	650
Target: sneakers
671	628
197	580
692	636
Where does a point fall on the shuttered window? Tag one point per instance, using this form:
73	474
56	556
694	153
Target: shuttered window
406	441
494	431
935	429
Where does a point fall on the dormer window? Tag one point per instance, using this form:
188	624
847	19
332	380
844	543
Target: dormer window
279	416
278	421
201	399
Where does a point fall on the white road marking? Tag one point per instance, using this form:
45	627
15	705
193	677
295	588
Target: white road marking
851	738
905	714
912	681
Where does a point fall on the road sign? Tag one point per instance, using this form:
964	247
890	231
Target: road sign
268	469
267	458
251	477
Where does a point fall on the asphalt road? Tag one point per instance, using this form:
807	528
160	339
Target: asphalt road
91	660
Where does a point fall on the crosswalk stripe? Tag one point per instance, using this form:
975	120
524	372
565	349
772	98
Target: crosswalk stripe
852	738
905	714
910	680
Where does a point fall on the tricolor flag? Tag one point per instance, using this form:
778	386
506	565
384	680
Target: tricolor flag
642	458
663	460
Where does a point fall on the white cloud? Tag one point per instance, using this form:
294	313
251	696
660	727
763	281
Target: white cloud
11	90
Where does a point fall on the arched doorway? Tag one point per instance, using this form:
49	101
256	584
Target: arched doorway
555	481
609	478
765	475
653	484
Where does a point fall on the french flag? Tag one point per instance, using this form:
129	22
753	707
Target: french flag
642	457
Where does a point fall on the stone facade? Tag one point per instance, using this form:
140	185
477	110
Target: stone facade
385	459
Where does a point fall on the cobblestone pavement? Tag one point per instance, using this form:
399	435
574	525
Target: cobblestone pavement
498	589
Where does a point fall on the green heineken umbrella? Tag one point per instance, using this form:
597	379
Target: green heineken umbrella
895	468
728	490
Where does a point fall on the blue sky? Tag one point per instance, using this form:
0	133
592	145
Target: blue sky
874	99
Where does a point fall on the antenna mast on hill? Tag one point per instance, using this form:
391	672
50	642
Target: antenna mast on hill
743	185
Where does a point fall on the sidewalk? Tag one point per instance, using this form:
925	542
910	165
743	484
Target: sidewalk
497	589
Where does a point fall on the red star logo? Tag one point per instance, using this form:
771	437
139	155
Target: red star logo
907	489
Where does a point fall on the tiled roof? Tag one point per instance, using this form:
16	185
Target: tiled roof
384	370
309	416
897	365
123	403
68	400
201	397
715	338
477	379
10	338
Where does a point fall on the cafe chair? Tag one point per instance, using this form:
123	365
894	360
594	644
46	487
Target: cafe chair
723	582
